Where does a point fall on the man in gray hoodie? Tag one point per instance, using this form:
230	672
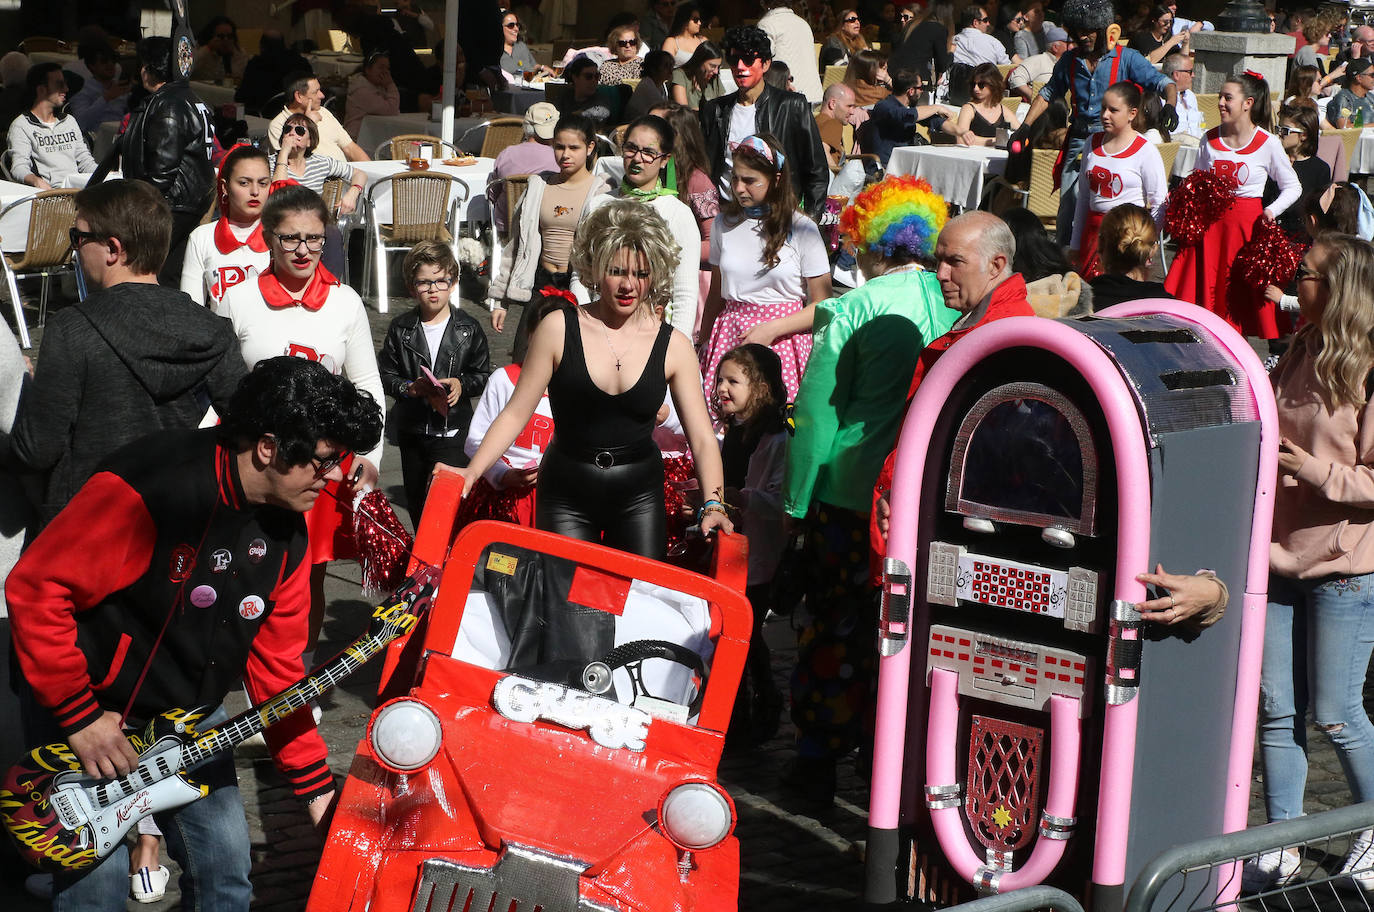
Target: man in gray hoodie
131	359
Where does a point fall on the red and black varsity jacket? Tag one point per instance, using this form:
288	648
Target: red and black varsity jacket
163	535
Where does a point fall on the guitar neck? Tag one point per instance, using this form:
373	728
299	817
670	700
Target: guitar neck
253	720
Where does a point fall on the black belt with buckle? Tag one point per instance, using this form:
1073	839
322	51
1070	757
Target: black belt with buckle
606	457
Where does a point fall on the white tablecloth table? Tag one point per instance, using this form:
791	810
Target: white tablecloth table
333	66
376	129
955	172
14	225
475	176
1362	162
106	132
213	94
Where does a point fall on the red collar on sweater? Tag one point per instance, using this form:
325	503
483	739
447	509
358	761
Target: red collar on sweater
316	292
226	243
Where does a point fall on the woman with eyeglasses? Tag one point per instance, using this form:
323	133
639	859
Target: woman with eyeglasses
980	119
231	249
769	265
1241	148
844	42
623	43
924	44
1120	166
651	178
607	367
698	80
297	307
1319	626
1157	39
685	35
516	56
1299	130
536	261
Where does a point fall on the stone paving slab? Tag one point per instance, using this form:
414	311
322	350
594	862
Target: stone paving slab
791	858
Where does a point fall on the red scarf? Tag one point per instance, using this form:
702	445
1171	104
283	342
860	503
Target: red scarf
316	290
226	243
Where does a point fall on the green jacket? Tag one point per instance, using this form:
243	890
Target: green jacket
853	395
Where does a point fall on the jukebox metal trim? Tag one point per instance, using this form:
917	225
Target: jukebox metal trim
1086	521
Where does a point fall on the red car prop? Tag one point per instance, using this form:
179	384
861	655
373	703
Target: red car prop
576	771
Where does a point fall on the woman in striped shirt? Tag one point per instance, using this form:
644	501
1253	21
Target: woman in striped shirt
299	137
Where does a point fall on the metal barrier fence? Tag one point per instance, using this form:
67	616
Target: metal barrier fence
1206	875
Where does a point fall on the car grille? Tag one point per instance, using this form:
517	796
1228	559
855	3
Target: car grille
522	880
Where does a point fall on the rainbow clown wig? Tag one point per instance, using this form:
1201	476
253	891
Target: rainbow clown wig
896	218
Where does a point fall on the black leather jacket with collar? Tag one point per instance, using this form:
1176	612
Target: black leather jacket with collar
463	353
168	143
786	115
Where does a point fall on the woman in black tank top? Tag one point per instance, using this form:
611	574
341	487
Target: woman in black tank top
607	368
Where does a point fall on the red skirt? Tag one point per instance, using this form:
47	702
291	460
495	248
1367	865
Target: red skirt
1201	274
1089	267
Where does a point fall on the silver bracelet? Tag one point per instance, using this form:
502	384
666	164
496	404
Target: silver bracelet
320	797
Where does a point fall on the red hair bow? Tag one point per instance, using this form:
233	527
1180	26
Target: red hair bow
549	291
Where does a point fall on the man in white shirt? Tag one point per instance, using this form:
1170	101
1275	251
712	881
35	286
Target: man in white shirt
973	45
308	98
1179	68
1038	67
794	45
46	148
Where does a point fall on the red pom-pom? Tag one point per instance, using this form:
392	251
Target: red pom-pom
1196	203
1270	257
678	474
383	543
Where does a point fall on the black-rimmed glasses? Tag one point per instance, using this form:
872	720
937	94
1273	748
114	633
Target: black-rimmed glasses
292	242
77	238
436	284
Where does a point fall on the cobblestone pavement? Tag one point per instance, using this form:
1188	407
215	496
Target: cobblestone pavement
791	859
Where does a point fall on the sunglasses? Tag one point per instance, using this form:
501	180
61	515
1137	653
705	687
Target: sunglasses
326	464
1303	274
298	129
512	25
1183	71
77	238
851	19
1284	131
746	59
905	17
627	43
696	19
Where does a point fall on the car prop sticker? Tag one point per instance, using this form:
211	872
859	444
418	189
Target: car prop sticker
609	723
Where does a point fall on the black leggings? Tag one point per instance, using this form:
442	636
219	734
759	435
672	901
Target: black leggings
620	507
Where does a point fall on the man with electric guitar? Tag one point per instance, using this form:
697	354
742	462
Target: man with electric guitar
178	568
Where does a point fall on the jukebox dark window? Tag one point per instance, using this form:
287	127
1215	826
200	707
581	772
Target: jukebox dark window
1024	454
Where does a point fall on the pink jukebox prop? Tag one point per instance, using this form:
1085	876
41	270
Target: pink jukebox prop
1031	727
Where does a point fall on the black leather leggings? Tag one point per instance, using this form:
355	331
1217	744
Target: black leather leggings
620	506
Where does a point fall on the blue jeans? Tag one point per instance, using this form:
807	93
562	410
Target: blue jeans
1068	188
208	838
1318	636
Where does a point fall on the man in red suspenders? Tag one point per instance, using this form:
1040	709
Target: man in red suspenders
1085	73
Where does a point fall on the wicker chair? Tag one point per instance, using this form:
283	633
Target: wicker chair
423	208
833	74
1038	193
1168	152
48	249
502	132
332	192
1350	138
1211	113
397	147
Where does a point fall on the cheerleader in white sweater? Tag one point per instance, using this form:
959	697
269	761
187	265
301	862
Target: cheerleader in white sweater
1242	148
231	249
1120	166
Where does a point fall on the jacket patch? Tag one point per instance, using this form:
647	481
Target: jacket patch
182	562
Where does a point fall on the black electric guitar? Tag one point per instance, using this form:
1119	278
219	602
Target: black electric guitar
63	820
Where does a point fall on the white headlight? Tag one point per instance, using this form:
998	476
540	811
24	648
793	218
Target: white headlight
696	816
405	735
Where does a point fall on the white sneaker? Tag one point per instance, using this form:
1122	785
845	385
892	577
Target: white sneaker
149	885
1359	863
1274	868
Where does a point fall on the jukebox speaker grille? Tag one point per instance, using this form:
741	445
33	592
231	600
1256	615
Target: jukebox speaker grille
1003	789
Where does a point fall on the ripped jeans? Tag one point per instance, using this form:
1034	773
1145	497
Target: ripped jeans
1318	636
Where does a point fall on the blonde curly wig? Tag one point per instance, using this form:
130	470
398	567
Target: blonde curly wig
621	224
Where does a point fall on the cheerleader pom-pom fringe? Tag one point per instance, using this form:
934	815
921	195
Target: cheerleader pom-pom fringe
1270	257
1196	204
898	216
383	543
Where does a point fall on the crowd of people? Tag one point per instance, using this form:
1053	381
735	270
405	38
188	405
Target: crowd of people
702	340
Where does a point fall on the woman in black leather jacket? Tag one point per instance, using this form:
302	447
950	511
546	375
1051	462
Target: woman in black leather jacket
431	421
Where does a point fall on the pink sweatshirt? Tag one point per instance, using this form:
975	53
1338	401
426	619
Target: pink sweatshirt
1324	514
